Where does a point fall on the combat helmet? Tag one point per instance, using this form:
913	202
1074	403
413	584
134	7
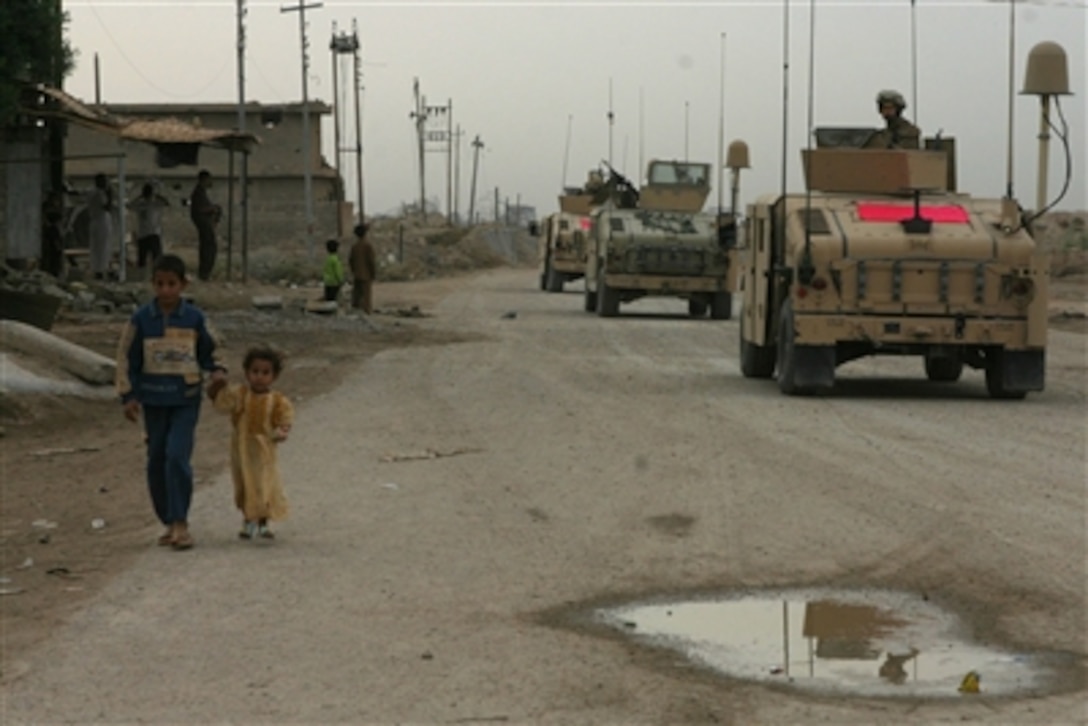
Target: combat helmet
893	97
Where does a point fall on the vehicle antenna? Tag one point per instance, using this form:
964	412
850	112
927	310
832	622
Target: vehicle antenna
566	152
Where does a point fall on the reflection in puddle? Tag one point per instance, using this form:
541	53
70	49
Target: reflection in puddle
872	643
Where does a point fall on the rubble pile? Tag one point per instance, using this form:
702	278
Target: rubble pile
76	296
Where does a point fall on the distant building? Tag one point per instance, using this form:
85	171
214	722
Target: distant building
276	203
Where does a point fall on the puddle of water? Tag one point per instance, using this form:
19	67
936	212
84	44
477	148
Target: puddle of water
870	643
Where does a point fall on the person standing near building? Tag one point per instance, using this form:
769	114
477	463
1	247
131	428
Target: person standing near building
364	270
205	216
148	208
99	205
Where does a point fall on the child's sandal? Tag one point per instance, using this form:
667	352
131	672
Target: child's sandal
165	540
247	530
183	541
265	532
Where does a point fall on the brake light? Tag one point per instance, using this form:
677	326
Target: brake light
584	223
819	284
802	291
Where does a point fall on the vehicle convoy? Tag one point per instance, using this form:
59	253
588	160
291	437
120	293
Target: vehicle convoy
658	241
883	256
562	246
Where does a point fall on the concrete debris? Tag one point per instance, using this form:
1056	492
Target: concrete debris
268	302
427	454
322	307
82	363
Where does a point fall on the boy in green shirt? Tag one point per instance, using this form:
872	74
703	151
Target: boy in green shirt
334	271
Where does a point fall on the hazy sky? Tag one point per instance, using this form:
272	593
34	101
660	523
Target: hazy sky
518	71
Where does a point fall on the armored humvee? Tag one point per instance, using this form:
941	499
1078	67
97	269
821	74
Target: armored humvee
562	246
658	241
882	256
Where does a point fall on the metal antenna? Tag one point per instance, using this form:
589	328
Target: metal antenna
805	270
785	108
301	9
566	152
611	119
721	125
914	59
1012	83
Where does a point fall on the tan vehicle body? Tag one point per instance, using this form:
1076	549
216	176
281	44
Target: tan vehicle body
562	247
663	246
969	290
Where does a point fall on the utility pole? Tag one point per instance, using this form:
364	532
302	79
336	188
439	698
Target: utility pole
476	146
358	121
496	205
449	161
244	192
336	119
420	116
301	9
457	176
341	44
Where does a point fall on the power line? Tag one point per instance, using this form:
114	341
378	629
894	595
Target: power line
113	41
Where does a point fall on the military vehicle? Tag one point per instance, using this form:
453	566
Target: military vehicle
658	241
562	247
882	256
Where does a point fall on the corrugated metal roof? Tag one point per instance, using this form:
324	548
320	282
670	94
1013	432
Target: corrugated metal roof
154	131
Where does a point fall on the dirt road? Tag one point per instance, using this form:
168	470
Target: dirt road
455	507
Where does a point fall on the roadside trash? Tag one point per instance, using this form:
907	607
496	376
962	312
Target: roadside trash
510	315
777	670
98	523
44	539
65	450
103	490
5	580
390	485
27	564
970	683
427	655
10	590
61	571
43	524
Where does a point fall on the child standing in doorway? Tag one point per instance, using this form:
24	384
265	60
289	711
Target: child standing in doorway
262	419
163	351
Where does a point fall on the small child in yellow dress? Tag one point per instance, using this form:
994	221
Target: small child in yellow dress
261	418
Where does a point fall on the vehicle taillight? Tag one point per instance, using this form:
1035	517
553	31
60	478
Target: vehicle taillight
819	284
802	291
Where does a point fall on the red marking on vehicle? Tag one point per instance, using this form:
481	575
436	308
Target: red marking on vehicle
884	212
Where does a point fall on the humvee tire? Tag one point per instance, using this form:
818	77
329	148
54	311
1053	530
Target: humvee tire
756	361
721	306
944	369
802	369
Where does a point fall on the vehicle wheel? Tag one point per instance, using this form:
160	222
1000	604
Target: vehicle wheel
995	376
555	280
944	369
608	299
756	361
544	275
802	370
721	306
696	307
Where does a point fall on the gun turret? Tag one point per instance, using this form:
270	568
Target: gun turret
618	188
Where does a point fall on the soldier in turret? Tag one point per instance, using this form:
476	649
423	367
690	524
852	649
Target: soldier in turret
899	133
